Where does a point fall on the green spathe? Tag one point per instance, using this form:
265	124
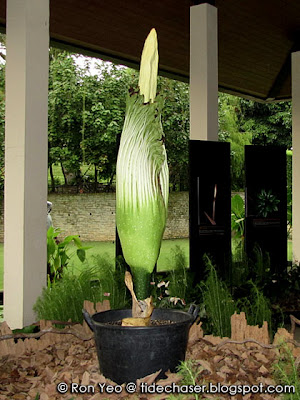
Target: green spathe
142	175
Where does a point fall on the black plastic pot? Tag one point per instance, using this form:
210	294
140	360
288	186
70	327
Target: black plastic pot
128	353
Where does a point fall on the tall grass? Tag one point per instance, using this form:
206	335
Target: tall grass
64	300
218	302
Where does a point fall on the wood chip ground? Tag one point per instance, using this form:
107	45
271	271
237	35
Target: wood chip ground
30	367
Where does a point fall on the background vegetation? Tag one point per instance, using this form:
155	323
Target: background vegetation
86	112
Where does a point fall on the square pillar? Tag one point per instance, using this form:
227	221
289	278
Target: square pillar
26	141
203	73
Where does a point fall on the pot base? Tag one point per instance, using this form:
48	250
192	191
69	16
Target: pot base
126	354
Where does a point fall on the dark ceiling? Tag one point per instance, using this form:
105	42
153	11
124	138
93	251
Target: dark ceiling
256	37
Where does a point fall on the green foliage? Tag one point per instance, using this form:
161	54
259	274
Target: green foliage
256	307
230	131
256	269
267	203
64	300
64	102
190	374
260	266
176	127
238	216
175	290
287	372
289	160
86	114
103	114
179	276
110	281
57	257
286	288
270	124
218	302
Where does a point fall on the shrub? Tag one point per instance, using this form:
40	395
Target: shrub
57	257
238	216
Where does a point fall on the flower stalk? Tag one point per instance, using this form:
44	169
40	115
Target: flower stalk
142	174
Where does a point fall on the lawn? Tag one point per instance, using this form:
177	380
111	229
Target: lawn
165	261
108	248
86	170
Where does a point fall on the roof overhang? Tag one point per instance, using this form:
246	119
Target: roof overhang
256	38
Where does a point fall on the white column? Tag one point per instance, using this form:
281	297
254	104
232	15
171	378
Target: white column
27	28
203	73
296	152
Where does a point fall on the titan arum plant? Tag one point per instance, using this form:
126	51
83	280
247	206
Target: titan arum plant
142	174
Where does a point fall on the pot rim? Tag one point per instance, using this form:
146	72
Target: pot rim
165	326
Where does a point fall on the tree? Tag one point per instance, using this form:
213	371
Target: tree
65	118
103	116
176	126
270	124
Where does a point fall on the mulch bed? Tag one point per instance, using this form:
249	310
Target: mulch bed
30	367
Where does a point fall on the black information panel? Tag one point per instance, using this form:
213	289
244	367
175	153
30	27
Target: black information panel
210	206
266	203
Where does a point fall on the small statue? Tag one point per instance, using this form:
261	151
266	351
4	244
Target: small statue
49	219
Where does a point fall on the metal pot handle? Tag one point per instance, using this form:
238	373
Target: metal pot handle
88	319
194	311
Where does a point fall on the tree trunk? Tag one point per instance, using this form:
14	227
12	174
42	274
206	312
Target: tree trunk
52	179
64	173
111	178
96	178
181	183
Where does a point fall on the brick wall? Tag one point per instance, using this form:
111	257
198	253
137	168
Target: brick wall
92	216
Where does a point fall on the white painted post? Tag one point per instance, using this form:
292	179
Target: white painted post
296	152
25	158
203	73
